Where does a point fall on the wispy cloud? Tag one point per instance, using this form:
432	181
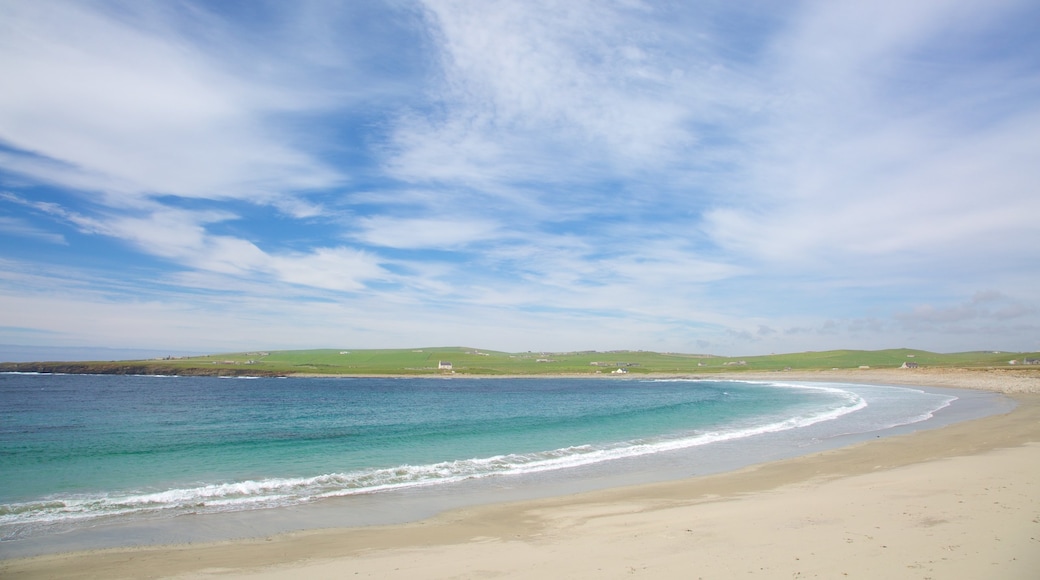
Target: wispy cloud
444	232
987	307
141	111
569	93
19	228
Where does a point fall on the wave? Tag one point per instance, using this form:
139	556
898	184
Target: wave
158	376
25	373
16	518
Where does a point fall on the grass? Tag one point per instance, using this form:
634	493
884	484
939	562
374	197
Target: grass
471	361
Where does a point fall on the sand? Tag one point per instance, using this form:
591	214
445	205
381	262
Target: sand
958	502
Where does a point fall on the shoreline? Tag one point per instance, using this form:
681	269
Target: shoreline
937	376
577	531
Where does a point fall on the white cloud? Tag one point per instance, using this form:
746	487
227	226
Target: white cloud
428	232
180	236
127	103
117	107
867	166
342	269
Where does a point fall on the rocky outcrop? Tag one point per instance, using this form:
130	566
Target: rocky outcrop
132	368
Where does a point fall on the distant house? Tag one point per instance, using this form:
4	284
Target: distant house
1031	361
620	371
444	365
909	365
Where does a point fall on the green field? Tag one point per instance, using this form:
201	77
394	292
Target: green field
470	361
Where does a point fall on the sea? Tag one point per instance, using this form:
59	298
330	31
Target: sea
95	461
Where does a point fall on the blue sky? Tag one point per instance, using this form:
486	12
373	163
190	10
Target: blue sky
724	177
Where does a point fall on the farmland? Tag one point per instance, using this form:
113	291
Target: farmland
477	362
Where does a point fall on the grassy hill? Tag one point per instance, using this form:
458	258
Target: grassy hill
470	361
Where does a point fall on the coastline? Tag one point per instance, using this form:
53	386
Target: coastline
906	506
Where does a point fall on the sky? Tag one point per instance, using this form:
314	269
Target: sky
733	178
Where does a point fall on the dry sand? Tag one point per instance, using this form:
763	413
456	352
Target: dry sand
958	502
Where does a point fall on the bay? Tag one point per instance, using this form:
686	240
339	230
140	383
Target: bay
78	451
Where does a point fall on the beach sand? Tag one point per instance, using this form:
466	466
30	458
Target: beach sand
962	501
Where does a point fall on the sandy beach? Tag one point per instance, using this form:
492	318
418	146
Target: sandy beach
962	501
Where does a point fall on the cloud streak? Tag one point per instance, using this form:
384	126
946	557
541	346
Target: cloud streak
140	112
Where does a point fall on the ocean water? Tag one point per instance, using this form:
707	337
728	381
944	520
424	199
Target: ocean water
83	452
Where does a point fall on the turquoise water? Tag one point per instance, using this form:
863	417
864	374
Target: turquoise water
76	450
